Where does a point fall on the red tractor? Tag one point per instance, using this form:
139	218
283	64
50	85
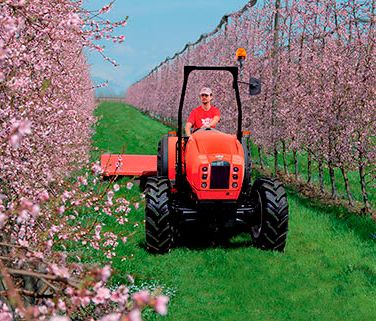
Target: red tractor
205	180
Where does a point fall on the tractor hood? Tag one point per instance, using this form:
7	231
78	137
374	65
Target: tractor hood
215	142
214	165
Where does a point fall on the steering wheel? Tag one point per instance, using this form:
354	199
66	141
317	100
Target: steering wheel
206	128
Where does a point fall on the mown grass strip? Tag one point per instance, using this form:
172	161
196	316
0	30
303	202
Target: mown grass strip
328	271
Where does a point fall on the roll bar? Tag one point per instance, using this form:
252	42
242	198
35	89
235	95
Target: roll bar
187	70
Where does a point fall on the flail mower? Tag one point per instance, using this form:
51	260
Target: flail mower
205	180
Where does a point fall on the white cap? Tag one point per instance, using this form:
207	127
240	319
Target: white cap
206	90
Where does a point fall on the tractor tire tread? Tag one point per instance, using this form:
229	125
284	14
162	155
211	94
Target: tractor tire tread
158	225
274	225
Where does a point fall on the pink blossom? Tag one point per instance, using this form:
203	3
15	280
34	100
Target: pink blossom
35	210
85	301
116	187
69	291
106	8
141	297
39	255
110	195
134	315
59	318
3	218
96	169
44	196
59	270
15	140
25	203
23	216
3	53
161	304
61	305
61	209
43	309
111	317
5	314
121	295
129	185
82	180
105	273
74	20
130	278
23	243
102	294
24	127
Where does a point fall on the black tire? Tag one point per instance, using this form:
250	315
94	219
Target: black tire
269	229
158	225
162	158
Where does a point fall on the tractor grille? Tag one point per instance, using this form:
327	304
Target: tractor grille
220	175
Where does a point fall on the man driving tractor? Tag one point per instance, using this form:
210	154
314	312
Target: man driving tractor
205	115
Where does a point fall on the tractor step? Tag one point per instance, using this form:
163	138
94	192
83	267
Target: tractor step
129	165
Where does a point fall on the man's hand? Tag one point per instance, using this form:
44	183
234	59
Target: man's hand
213	123
188	127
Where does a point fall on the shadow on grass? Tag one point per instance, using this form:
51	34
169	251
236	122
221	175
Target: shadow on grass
200	240
362	226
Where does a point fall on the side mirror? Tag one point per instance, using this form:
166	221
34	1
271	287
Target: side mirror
254	86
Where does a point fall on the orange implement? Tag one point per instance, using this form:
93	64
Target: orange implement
129	165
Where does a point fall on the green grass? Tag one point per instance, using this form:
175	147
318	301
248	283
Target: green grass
328	271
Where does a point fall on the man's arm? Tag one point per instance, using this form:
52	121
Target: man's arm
188	127
215	121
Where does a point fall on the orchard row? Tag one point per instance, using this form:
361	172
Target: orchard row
317	63
46	120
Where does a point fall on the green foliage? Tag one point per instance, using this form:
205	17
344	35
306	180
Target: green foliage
328	271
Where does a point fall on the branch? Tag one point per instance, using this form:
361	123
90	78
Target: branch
12	292
41	276
28	293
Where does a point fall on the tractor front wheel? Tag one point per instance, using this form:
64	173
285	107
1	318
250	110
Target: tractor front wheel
158	225
269	229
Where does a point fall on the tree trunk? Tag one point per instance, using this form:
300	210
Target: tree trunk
309	167
275	72
259	149
334	194
284	157
362	176
275	151
347	186
321	176
296	167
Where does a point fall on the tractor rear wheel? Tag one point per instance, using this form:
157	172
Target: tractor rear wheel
158	225
269	230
